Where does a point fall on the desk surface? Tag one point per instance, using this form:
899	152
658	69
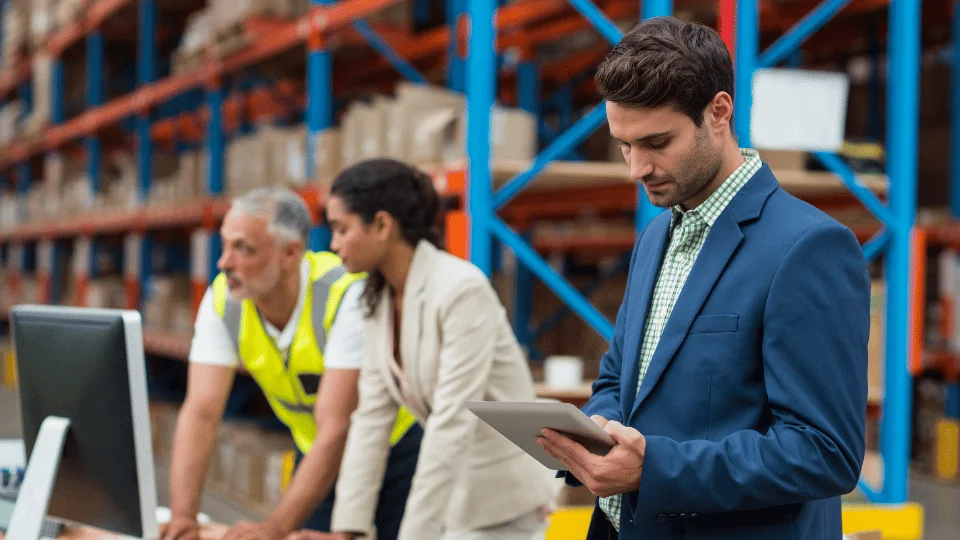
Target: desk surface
209	532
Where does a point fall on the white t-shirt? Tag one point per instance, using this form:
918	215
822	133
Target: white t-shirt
344	348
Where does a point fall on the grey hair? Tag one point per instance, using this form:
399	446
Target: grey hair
287	215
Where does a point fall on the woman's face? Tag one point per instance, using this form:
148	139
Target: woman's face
360	245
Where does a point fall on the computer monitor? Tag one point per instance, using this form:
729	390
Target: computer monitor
86	425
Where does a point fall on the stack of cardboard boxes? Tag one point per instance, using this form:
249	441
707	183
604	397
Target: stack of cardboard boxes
177	184
66	12
218	28
167	305
269	156
229	14
249	464
426	125
16	17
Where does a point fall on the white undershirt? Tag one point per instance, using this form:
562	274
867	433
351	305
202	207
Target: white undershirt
212	344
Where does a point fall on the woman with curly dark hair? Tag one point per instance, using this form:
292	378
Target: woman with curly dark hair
436	336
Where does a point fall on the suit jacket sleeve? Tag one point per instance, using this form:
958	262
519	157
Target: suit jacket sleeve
468	328
814	348
367	450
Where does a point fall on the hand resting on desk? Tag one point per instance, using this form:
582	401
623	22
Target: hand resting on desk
615	473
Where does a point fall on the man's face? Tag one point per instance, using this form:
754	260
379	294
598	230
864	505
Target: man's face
250	259
667	153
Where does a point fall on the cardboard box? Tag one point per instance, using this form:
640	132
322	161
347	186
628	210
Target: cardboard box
286	150
259	464
107	292
16	23
435	120
67	12
327	156
513	134
779	160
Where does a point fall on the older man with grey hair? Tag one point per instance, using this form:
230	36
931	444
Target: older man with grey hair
293	319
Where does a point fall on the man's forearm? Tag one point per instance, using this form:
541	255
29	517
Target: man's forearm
310	484
192	445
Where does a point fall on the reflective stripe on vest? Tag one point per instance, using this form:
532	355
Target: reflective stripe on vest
282	377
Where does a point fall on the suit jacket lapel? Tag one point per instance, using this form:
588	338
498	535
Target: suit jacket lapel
648	260
721	244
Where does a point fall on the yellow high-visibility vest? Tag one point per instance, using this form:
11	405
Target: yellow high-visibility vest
290	383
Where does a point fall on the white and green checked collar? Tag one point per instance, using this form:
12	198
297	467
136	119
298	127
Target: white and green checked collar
711	208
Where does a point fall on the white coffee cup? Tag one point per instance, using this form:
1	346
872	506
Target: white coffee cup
563	371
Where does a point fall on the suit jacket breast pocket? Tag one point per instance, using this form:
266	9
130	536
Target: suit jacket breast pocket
714	324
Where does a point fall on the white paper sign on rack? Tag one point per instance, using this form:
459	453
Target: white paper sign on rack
796	109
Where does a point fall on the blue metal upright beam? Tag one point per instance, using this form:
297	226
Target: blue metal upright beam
903	108
955	116
599	20
320	104
95	60
146	74
748	43
646	211
319	114
24	177
56	92
481	89
26	98
215	140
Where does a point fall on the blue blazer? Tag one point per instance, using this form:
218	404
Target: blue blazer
754	403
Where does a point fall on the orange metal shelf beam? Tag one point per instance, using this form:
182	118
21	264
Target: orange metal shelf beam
181	214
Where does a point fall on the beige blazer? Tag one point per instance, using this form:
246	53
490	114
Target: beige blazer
456	345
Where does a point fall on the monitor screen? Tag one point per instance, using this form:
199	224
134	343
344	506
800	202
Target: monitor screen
74	363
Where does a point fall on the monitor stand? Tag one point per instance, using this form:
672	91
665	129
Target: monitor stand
41	474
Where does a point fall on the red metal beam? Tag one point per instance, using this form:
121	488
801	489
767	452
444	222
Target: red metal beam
728	24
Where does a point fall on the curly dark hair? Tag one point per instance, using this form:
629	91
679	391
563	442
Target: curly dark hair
404	192
666	61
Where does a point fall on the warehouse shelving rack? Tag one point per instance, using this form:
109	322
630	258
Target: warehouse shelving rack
473	52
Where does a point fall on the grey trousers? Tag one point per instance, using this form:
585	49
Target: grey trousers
530	526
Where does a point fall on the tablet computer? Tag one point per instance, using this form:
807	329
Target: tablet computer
521	422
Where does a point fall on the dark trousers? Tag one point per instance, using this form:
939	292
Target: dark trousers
393	494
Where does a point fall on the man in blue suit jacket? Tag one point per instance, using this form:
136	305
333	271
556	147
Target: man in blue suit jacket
735	384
